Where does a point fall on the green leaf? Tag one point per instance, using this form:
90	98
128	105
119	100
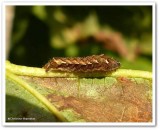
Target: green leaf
21	106
122	96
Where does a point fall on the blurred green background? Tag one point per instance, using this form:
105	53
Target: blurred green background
42	32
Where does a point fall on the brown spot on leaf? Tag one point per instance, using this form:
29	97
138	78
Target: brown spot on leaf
129	105
124	101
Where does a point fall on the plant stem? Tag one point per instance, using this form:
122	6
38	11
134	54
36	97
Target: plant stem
40	72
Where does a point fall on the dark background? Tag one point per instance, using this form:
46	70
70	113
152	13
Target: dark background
42	32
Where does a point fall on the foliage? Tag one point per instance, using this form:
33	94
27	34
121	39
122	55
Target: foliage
41	32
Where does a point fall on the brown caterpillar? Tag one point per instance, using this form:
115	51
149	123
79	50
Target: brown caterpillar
94	63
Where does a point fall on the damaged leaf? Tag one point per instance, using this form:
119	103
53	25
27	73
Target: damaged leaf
122	97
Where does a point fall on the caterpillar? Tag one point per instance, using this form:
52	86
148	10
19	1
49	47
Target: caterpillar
88	64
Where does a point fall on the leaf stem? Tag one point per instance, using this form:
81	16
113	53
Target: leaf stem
36	94
40	72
